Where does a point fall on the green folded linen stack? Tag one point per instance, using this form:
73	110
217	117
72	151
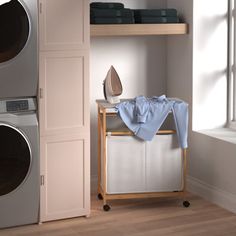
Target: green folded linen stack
151	16
110	13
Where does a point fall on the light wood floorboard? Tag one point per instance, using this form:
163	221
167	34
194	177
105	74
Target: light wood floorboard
140	217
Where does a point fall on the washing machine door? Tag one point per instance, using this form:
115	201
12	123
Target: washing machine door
15	158
14	29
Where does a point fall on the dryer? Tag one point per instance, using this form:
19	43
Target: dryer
18	48
19	163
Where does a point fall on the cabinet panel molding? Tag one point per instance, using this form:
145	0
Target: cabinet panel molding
65	173
63	24
64	95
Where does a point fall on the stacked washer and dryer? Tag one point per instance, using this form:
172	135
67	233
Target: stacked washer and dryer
19	138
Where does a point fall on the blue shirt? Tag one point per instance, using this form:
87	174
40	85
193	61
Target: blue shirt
144	116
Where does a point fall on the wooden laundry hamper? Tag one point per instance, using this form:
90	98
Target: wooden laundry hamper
130	168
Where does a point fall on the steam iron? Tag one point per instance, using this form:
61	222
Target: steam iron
112	87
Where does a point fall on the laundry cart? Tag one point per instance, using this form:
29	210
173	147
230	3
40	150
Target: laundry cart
131	168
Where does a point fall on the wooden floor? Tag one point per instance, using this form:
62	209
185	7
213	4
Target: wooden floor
138	218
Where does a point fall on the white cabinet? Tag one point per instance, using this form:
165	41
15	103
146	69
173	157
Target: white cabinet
64	24
64	109
64	82
65	169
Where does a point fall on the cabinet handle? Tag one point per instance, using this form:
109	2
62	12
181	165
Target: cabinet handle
40	93
40	7
42	180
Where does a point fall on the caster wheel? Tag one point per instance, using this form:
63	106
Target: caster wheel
106	208
186	204
100	196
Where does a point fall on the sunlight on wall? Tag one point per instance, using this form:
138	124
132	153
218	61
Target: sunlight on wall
209	64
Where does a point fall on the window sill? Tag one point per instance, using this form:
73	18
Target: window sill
226	134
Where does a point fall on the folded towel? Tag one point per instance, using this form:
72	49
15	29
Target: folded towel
111	12
155	12
106	5
112	20
153	20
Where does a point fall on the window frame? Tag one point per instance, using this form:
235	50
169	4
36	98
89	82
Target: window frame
231	70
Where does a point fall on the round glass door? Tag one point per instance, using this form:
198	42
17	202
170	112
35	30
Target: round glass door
14	29
15	159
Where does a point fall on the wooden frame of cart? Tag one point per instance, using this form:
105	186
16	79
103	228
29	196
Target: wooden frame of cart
107	110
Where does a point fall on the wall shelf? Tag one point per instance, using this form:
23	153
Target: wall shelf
138	29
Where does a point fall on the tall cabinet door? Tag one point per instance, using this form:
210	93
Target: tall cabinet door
64	24
64	98
65	180
64	108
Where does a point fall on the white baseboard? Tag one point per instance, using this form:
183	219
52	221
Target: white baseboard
219	197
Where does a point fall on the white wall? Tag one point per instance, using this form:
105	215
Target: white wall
179	56
201	81
140	62
194	66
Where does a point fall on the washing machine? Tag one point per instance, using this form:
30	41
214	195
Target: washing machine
18	48
19	163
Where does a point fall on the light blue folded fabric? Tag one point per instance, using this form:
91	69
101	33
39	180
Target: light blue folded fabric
144	116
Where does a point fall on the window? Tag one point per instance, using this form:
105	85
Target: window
232	64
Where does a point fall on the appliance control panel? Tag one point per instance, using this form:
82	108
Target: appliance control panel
18	105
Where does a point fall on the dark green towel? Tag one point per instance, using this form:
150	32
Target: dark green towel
111	13
155	12
112	20
153	20
107	5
